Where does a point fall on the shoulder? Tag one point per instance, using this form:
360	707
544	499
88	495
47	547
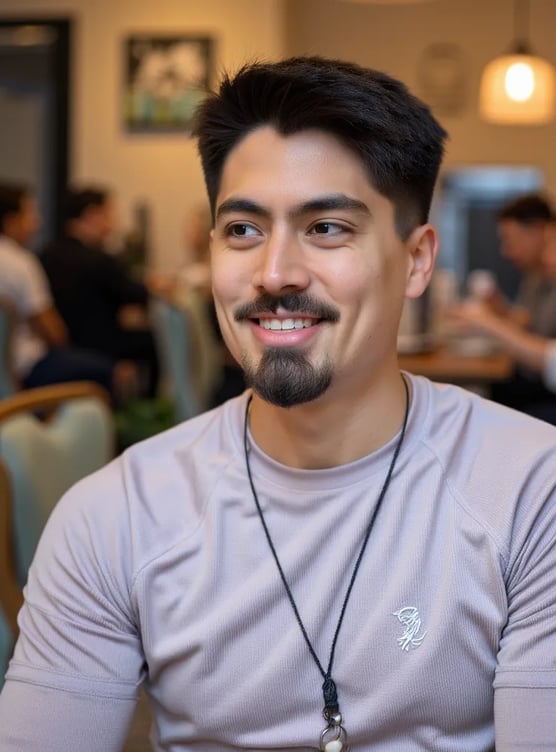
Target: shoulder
455	414
21	266
483	435
14	256
156	493
497	463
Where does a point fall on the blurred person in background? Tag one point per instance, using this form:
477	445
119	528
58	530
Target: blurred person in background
194	274
194	279
521	230
531	351
41	348
92	288
521	226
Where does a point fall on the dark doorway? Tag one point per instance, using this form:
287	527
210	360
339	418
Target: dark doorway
34	112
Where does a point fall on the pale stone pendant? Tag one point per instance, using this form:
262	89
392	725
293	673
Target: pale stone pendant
336	745
334	737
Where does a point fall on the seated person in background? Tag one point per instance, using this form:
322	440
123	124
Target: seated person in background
530	350
195	278
91	287
521	229
195	272
41	351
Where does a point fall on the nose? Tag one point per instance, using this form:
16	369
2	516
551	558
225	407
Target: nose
282	265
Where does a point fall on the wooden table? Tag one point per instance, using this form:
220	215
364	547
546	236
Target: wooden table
445	364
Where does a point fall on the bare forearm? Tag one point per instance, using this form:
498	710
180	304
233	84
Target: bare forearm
528	349
50	327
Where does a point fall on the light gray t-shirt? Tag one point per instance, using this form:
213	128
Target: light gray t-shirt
156	568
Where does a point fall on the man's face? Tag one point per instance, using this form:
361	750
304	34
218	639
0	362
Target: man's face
522	244
101	221
21	226
309	274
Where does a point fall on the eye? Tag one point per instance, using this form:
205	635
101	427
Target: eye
327	228
329	234
242	230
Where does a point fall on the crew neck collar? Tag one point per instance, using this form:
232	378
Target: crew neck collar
340	476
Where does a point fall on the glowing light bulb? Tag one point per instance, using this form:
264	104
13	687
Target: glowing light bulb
519	82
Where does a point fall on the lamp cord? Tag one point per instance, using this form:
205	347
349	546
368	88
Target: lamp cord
521	25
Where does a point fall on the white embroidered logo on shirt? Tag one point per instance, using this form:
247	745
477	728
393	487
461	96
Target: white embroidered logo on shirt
410	618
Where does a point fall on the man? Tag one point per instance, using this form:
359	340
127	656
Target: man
91	287
521	230
534	352
339	536
41	350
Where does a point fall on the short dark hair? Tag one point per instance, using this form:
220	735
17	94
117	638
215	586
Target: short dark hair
528	209
11	197
78	200
395	134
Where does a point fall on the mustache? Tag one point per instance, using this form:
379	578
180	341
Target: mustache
297	302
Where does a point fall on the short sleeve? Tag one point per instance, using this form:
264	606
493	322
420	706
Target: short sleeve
78	631
34	291
525	676
34	718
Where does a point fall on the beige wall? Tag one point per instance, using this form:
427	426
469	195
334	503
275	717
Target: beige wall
393	38
161	169
164	170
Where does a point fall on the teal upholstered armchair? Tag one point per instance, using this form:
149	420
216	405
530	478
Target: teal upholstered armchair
7	322
43	456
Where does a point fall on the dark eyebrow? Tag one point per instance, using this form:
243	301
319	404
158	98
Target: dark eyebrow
241	205
331	202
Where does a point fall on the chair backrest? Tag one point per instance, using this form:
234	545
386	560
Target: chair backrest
185	366
44	456
10	593
206	348
6	645
7	324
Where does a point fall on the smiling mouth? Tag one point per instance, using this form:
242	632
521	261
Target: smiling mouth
286	325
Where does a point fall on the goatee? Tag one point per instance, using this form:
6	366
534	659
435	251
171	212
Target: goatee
285	377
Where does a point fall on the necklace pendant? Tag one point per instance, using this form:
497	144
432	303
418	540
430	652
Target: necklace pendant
334	737
334	746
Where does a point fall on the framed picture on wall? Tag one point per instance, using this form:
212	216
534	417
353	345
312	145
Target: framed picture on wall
165	77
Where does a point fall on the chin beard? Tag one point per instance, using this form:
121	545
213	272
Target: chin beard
286	378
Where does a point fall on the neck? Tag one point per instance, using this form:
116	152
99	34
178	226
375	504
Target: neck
12	236
84	235
330	431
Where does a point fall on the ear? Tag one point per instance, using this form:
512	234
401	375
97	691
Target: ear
422	247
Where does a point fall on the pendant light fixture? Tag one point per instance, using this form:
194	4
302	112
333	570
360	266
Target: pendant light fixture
518	88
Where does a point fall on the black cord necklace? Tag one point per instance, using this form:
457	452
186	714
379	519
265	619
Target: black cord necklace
334	737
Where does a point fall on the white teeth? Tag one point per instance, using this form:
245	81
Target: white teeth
286	324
